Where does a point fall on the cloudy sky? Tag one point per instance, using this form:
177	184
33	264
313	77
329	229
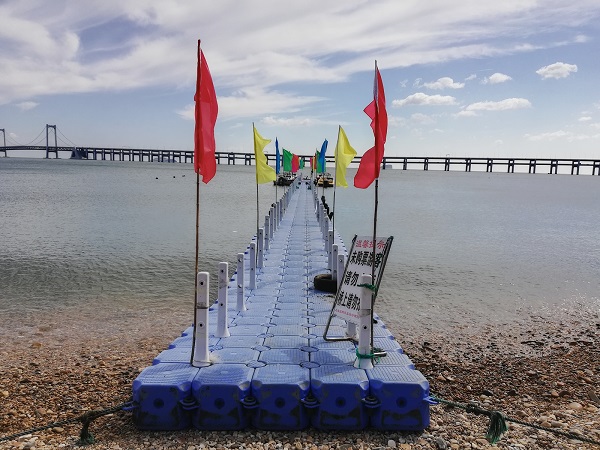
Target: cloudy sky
513	78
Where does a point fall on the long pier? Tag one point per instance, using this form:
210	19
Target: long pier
266	363
574	166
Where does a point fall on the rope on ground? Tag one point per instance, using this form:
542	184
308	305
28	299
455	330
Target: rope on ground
85	437
498	422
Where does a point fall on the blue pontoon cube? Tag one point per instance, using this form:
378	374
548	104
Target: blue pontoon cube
401	393
220	391
163	394
280	391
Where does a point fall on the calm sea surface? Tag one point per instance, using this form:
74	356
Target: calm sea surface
468	247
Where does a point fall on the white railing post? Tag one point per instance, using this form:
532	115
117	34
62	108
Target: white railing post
252	270
330	238
261	243
364	326
267	233
222	326
201	355
334	262
241	304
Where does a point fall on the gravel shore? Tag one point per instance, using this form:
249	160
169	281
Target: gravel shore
56	366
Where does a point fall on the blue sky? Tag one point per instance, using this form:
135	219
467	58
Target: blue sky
462	78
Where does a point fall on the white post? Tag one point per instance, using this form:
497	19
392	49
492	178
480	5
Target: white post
201	354
341	265
222	326
267	233
252	253
365	324
241	304
330	260
334	262
271	222
261	243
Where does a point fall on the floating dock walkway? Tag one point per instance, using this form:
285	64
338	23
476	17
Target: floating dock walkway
274	370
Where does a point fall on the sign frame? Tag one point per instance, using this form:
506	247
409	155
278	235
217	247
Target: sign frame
346	303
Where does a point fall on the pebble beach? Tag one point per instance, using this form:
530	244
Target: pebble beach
57	366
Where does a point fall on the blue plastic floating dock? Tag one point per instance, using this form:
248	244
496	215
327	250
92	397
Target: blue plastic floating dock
276	371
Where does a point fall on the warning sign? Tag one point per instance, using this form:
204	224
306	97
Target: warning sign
364	253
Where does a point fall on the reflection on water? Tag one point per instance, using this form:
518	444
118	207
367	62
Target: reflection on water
467	247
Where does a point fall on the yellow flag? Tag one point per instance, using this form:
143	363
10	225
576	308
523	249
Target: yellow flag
264	172
344	153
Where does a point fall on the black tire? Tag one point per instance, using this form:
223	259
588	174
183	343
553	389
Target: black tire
324	283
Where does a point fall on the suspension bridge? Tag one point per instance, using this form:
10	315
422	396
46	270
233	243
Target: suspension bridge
52	142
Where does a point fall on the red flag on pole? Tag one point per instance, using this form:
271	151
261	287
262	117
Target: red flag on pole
295	163
370	163
206	116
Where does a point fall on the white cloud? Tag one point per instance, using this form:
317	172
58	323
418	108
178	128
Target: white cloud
502	105
421	98
444	83
423	119
496	78
561	135
26	106
585	119
548	136
465	113
471	77
556	70
255	102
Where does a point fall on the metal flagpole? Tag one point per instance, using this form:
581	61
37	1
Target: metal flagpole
373	281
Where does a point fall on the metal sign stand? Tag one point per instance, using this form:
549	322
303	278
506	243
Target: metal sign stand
347	299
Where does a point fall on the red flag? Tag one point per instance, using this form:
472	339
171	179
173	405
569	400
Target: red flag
370	163
295	163
206	116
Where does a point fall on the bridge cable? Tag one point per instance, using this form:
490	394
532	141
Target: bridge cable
35	138
66	138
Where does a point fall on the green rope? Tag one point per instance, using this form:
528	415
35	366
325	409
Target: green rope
498	421
370	287
372	355
85	437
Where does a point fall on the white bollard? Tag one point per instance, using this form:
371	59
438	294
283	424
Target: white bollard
334	262
261	243
201	355
241	304
252	270
222	326
330	238
365	325
267	233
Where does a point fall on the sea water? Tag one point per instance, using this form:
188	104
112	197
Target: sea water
468	247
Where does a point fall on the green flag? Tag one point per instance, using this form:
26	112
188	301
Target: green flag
287	160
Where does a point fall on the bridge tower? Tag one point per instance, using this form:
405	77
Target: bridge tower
4	136
48	149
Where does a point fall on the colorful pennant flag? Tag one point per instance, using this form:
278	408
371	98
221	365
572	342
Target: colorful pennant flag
205	111
264	172
277	157
344	154
322	162
370	163
287	161
295	163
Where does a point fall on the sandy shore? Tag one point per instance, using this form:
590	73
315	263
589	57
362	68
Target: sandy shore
547	372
